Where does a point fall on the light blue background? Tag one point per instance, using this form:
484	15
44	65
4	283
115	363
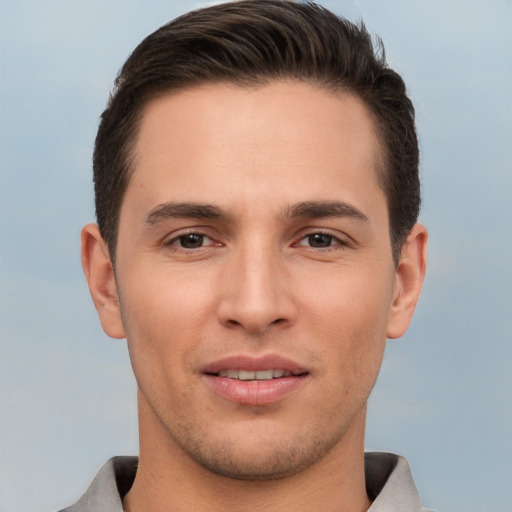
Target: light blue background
67	393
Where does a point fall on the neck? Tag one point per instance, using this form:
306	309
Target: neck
169	480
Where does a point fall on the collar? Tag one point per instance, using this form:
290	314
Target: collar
388	483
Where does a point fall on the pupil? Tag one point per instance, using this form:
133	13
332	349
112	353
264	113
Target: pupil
320	240
191	241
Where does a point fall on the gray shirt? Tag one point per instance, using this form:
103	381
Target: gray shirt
388	483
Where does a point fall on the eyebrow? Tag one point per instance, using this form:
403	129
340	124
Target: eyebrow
304	210
324	209
184	210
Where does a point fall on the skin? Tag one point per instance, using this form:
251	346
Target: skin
275	271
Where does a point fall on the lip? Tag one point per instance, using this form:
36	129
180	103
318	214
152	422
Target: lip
251	363
254	392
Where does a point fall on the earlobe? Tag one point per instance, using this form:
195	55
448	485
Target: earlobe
99	273
408	281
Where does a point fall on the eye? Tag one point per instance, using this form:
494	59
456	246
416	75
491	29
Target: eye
190	241
320	241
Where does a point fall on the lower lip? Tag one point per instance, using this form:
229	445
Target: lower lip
254	392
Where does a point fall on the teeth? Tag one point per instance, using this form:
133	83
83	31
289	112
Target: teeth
264	374
244	375
254	375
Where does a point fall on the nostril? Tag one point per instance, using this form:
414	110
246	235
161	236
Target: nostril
254	325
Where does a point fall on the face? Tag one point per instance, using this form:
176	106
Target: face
254	274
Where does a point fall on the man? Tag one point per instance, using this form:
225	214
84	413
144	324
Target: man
257	191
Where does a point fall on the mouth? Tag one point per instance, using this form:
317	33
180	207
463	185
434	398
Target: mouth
253	381
257	375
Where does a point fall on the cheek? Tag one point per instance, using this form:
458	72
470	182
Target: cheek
164	320
349	298
350	313
164	301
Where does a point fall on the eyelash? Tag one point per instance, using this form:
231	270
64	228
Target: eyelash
335	241
175	240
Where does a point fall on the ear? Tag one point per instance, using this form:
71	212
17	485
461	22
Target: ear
99	273
408	281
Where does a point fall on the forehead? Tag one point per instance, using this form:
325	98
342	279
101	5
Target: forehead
236	142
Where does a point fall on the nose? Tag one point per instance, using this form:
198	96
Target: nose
257	292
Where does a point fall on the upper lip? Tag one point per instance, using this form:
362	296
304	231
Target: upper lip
249	362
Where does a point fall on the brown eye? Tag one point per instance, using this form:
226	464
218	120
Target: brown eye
191	241
320	240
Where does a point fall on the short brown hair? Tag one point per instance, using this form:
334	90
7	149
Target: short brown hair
254	42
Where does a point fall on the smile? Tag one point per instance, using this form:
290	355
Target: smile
255	381
255	375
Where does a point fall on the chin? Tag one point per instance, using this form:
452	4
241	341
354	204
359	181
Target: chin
273	458
273	466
